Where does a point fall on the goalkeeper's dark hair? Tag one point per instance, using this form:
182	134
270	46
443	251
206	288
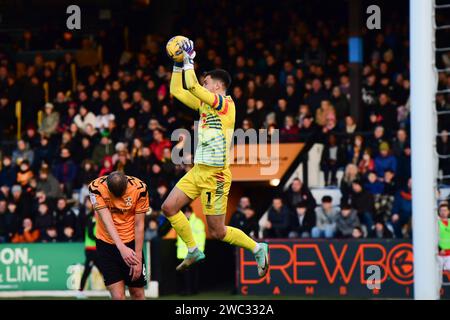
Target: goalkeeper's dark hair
221	75
117	183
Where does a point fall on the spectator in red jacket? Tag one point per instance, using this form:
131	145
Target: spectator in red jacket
107	167
367	163
159	143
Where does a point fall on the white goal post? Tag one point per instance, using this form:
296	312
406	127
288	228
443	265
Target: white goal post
423	147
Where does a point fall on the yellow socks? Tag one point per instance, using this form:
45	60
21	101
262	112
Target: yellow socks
238	238
233	236
181	225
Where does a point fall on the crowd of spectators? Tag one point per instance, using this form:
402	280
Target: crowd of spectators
85	115
360	214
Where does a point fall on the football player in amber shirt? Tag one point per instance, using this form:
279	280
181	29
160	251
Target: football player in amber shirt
121	203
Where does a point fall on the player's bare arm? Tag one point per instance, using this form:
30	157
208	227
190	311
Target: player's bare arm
128	255
139	243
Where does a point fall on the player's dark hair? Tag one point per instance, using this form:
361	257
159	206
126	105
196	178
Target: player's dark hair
117	183
221	75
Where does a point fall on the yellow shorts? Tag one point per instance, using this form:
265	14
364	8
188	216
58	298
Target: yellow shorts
212	184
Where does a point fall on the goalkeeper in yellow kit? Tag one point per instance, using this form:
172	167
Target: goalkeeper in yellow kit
210	178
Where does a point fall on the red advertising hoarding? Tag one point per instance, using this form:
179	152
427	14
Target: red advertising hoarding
333	268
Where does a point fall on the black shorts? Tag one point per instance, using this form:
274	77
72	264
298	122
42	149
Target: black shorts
114	268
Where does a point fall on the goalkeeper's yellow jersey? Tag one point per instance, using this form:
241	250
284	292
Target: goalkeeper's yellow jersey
217	117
